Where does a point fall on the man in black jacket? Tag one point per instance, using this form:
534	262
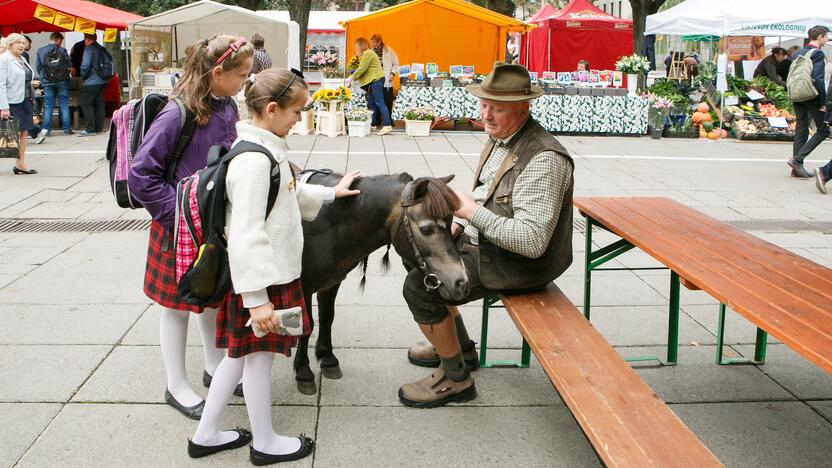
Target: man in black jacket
813	109
768	66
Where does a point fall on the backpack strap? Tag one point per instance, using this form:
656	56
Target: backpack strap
274	182
187	127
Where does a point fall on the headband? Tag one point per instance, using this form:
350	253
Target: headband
233	47
276	98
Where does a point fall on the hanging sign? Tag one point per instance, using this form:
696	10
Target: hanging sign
45	14
85	26
65	21
110	35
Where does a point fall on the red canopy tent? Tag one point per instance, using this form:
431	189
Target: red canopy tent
19	15
533	44
582	31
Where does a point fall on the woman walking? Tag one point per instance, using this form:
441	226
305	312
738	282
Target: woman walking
370	76
16	93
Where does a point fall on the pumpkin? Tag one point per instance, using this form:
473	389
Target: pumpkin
703	107
724	133
713	135
702	133
701	117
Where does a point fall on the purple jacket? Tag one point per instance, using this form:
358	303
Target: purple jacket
147	175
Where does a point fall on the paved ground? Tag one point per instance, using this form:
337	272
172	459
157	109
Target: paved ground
82	375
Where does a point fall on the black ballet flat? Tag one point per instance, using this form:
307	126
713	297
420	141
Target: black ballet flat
17	171
208	378
260	458
199	451
191	412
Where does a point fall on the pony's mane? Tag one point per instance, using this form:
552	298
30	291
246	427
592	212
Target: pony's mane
440	200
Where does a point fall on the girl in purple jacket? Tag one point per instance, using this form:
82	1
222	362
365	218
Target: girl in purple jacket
215	70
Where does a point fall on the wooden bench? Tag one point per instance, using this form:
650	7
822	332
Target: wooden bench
623	418
782	293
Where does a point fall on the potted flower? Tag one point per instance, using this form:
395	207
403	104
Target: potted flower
633	65
418	120
332	100
659	110
358	121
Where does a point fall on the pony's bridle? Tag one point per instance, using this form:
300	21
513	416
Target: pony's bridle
431	280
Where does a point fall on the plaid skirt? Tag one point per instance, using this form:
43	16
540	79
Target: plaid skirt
160	274
233	334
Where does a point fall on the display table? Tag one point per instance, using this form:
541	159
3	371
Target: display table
556	113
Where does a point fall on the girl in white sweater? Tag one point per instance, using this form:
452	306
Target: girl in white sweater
264	252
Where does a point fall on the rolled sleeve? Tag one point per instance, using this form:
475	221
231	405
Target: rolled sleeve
536	200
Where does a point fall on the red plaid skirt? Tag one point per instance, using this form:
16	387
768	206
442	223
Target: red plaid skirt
233	334
160	274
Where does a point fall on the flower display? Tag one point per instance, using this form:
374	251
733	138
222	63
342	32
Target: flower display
325	95
358	115
419	113
633	64
326	62
353	64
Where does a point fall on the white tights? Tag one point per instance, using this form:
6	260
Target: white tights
173	335
255	370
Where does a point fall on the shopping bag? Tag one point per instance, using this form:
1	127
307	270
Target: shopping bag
9	139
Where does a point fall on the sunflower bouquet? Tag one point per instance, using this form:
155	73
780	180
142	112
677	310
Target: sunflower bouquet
328	95
353	64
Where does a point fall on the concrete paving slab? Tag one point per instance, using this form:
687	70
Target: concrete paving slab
645	326
46	373
538	437
136	374
52	210
76	289
387	370
697	378
336	162
103	435
12	269
738	330
67	324
611	288
661	283
822	407
11	196
761	434
146	329
369	164
22	424
58	241
799	376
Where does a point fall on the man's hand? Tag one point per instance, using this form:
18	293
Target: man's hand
456	230
467	206
5	114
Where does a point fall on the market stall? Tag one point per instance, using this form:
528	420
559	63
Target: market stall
28	16
533	45
158	43
580	31
558	113
445	32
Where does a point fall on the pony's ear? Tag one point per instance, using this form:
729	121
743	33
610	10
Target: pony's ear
447	178
420	187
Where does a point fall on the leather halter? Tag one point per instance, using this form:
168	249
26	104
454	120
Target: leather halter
431	280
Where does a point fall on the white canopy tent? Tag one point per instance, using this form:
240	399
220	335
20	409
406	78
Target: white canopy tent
741	18
202	19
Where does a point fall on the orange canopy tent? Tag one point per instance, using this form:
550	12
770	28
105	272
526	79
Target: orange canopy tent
445	32
27	16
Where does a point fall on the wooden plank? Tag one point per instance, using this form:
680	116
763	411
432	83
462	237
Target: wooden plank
773	310
627	423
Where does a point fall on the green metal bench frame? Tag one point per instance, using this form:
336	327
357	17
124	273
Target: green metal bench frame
490	302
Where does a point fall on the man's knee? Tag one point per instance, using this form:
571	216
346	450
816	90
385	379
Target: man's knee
427	307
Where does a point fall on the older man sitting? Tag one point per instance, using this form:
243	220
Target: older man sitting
515	228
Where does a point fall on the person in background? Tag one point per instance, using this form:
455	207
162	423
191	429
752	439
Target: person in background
370	76
262	61
812	110
390	65
824	174
37	132
15	94
783	67
76	56
92	91
583	65
769	65
48	64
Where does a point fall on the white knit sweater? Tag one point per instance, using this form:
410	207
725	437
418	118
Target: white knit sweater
265	251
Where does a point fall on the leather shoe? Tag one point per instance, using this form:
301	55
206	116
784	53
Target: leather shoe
798	170
208	378
192	412
199	451
425	355
260	458
437	390
17	171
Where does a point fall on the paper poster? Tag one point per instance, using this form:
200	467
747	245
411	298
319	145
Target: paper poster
754	95
575	77
564	78
404	70
594	77
533	76
732	101
583	76
468	70
604	77
431	70
417	68
550	76
778	122
456	70
617	79
45	14
418	76
65	21
85	26
110	35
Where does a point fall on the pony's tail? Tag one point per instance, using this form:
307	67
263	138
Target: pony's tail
385	261
363	274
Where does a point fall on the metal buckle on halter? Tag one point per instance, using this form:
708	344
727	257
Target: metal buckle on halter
432	282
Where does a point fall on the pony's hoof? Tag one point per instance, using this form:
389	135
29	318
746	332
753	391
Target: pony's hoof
307	388
332	372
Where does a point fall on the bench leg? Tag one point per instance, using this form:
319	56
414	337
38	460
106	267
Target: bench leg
673	321
587	262
759	346
525	352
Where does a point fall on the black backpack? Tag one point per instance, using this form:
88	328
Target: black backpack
102	62
203	276
55	66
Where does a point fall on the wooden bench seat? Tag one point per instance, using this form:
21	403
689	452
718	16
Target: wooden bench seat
623	418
